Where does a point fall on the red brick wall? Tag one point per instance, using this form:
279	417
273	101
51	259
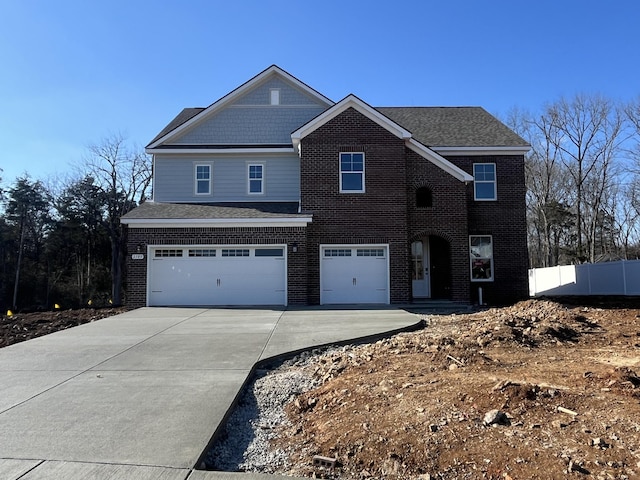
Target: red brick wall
377	216
136	289
505	219
446	218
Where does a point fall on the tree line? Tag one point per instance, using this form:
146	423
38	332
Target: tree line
62	243
583	180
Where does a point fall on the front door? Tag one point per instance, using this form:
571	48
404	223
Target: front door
420	262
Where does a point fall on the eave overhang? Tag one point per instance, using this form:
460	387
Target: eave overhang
216	222
477	151
219	149
438	160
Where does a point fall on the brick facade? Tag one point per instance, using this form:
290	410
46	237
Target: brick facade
445	218
136	295
386	213
379	215
505	220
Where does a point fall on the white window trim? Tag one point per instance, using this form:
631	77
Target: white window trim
494	182
195	178
490	279
263	184
364	168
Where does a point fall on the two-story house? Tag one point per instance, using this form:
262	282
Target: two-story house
276	195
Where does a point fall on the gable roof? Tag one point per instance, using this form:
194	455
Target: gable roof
454	126
351	101
191	116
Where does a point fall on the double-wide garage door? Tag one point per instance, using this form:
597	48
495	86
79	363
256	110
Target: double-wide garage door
217	275
356	274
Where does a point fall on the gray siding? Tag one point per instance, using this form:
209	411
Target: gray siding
250	125
289	95
174	178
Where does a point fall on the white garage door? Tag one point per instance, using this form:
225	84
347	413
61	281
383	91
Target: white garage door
354	274
216	275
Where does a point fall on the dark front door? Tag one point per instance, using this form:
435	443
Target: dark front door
440	268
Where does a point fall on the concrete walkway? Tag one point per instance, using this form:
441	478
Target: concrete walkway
139	395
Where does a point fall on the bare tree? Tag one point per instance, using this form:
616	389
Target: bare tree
122	177
589	135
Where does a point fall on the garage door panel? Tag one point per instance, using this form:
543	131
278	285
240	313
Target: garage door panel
354	275
233	279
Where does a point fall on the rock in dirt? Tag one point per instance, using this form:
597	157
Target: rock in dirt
495	417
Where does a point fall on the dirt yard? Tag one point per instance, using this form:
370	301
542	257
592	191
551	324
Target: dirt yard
23	326
538	390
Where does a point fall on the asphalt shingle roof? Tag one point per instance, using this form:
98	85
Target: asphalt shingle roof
163	211
184	116
454	126
431	126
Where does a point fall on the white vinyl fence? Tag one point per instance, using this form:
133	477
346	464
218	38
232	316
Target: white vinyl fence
608	278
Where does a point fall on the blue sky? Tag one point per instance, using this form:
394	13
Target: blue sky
73	72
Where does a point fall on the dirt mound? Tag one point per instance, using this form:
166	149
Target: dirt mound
536	390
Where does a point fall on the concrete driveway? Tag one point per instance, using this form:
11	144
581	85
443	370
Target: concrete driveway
139	395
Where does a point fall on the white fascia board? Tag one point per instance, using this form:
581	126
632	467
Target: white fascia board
472	151
243	151
234	94
215	223
439	161
350	101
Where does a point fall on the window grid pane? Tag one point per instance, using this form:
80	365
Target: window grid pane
235	252
352	172
202	252
370	252
337	252
484	175
168	252
255	178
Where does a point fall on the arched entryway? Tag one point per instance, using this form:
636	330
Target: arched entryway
431	268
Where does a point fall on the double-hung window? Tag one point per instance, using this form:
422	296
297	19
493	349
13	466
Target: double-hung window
351	172
203	179
484	181
256	179
481	253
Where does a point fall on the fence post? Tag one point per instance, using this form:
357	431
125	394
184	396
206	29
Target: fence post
624	277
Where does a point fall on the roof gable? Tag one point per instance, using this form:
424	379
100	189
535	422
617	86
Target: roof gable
243	96
351	101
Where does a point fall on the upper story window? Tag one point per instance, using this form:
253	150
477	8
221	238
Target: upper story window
351	172
481	253
256	179
484	181
424	197
203	179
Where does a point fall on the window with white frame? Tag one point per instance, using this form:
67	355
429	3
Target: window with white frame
256	179
203	179
481	257
484	181
352	172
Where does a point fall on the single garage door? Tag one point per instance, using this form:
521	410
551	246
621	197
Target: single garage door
354	274
217	275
